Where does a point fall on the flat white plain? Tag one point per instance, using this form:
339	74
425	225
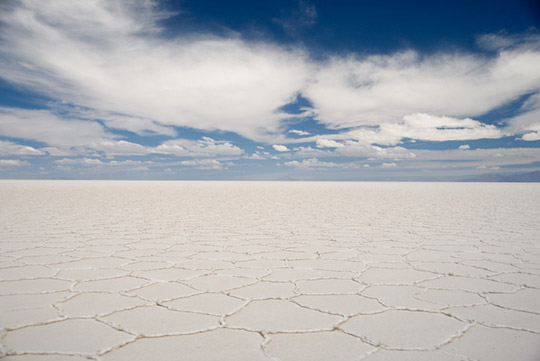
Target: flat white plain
134	270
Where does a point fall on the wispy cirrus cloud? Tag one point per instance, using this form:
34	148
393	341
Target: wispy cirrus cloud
527	122
111	58
298	19
49	128
280	148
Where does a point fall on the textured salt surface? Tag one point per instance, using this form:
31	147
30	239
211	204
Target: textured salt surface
269	271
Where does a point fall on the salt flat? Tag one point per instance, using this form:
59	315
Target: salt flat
120	270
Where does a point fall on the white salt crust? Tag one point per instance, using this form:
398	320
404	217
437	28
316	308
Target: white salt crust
109	271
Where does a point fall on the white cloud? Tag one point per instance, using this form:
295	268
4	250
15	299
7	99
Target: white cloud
471	158
299	132
464	146
114	61
373	90
444	163
65	136
120	147
352	148
531	136
44	126
316	164
130	163
440	128
503	40
257	156
486	167
80	161
94	162
280	148
136	125
310	152
453	163
9	148
203	147
355	149
59	152
205	164
528	119
12	163
416	126
109	62
111	58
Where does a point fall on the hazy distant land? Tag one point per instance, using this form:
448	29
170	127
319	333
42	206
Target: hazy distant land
516	177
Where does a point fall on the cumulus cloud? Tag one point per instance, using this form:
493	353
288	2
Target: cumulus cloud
464	146
280	148
204	147
531	136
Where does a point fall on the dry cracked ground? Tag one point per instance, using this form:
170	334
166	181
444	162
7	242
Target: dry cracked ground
269	271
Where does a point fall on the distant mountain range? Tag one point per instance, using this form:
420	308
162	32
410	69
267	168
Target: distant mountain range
517	177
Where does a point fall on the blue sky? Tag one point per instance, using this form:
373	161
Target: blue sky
265	90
